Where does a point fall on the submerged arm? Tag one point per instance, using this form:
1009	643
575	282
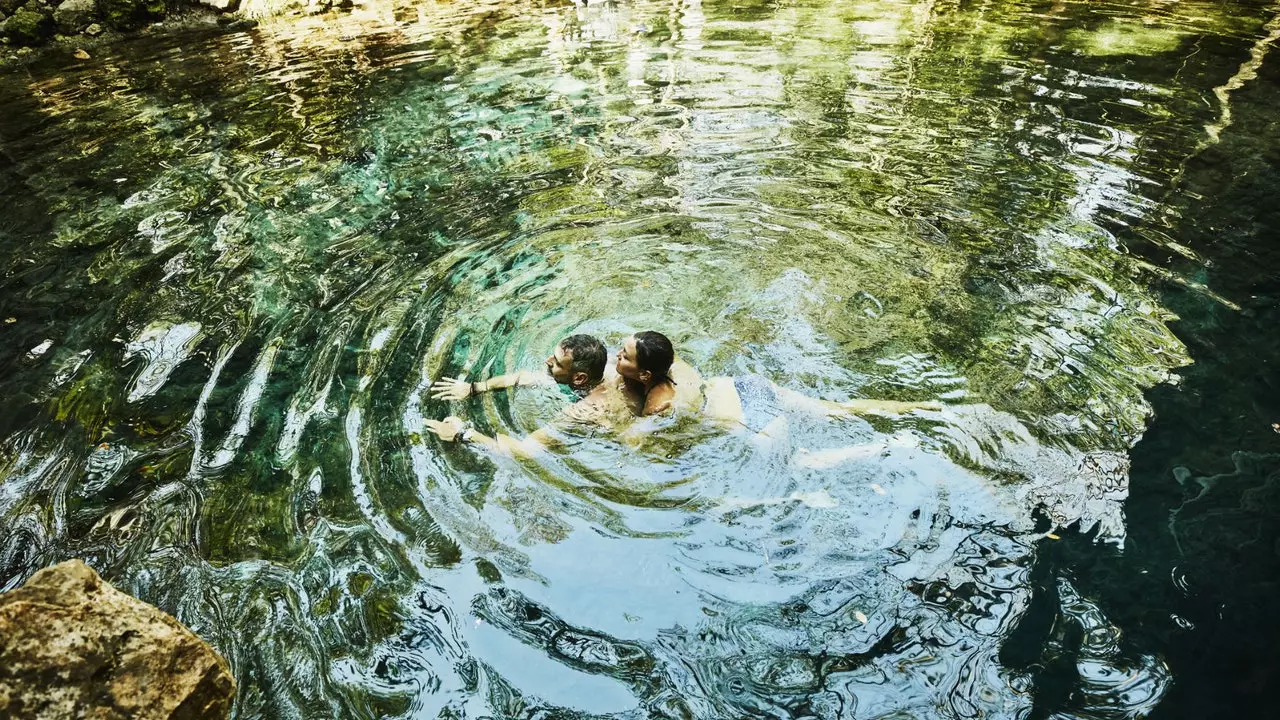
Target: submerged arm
453	428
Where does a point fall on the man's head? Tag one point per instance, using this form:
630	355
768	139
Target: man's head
578	362
646	357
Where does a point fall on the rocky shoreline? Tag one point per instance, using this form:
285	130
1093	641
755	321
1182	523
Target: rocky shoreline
31	23
26	25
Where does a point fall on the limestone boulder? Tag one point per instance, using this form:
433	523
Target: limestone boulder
72	646
74	16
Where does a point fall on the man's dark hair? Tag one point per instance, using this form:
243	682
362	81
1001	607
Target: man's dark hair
654	353
589	355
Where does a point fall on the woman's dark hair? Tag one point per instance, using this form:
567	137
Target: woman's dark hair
654	353
589	355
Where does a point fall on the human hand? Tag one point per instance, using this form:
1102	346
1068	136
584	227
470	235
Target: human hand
448	428
451	389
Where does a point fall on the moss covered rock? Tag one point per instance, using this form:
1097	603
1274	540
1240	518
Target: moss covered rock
131	14
25	27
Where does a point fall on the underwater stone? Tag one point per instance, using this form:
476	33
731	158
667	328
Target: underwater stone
131	14
93	30
71	645
25	27
73	16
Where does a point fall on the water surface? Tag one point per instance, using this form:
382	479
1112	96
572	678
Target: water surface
234	263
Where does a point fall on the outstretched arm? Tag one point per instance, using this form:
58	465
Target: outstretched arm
454	429
452	388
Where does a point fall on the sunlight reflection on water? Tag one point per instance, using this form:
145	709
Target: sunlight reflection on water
250	253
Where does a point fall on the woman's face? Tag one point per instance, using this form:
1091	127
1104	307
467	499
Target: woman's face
627	367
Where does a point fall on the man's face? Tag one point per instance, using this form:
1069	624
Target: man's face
560	366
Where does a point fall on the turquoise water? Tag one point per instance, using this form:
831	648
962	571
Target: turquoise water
235	261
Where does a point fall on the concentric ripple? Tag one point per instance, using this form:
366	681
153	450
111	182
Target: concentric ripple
235	262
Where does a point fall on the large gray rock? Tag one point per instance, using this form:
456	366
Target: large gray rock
73	16
72	646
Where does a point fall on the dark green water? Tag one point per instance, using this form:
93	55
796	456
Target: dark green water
233	263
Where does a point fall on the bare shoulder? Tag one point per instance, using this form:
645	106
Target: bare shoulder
660	400
659	406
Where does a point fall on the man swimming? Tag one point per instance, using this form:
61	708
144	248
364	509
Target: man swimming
577	362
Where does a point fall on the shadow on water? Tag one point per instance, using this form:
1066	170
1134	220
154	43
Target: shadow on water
236	261
1198	577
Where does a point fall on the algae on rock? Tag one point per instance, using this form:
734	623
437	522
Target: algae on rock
27	27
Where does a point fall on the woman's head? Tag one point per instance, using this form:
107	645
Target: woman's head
646	357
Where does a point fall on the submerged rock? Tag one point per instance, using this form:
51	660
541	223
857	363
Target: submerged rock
72	646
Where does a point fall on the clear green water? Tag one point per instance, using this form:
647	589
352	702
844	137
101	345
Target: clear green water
233	263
